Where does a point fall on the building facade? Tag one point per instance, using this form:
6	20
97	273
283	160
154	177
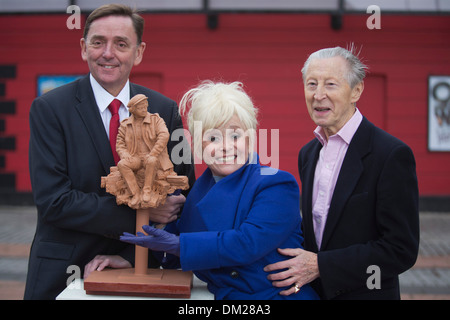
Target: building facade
408	56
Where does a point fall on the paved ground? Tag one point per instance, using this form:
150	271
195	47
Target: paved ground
428	279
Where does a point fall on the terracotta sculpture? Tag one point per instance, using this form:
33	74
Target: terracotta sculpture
144	175
142	180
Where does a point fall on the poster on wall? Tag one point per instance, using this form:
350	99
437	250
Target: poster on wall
439	113
45	83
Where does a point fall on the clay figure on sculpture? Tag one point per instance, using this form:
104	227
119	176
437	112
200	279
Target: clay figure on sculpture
144	165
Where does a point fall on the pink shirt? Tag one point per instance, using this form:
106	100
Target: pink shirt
327	170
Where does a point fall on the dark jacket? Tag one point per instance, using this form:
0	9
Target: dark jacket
373	216
69	153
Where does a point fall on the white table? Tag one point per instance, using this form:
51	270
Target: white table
75	291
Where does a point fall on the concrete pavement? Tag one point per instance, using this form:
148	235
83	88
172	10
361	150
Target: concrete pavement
428	279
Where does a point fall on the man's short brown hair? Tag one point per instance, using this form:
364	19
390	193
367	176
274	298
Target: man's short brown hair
116	10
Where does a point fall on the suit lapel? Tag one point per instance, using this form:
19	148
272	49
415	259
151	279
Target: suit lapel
133	90
308	170
351	170
88	110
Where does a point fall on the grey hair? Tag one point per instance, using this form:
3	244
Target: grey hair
357	69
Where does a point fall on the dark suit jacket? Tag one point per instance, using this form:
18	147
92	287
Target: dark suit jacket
373	216
69	153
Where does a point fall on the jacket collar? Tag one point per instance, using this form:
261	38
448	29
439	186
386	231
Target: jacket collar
89	113
147	119
218	208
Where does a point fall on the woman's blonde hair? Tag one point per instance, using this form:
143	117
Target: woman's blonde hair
214	104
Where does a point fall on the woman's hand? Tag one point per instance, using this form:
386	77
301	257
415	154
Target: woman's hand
155	239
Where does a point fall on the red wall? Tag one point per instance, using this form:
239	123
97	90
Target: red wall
266	52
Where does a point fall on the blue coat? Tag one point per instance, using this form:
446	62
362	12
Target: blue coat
230	230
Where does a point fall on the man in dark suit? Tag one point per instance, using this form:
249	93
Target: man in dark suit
359	192
70	152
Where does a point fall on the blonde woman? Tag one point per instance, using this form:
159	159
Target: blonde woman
238	213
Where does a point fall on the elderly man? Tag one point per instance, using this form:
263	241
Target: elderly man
359	192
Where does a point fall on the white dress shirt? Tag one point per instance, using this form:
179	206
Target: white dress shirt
104	98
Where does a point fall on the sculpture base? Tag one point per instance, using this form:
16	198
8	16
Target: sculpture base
156	283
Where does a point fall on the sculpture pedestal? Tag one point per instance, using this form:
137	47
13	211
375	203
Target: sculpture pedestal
140	281
156	283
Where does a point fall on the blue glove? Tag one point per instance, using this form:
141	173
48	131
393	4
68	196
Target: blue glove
157	240
175	193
